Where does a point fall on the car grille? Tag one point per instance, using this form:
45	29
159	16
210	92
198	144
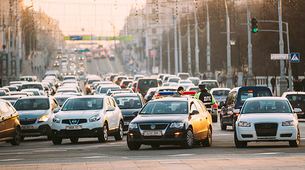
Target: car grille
69	121
157	126
27	121
266	129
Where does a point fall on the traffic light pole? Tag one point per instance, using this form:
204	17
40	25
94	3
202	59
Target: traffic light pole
281	45
250	73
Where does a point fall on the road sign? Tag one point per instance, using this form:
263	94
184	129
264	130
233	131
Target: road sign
279	56
295	57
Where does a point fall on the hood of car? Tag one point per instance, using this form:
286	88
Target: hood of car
32	113
129	111
266	117
160	118
77	114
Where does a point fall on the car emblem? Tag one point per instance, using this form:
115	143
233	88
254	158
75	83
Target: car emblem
152	126
266	126
74	121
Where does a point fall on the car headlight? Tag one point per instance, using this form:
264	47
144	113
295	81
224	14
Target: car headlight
43	118
95	118
56	120
244	124
133	126
288	123
177	125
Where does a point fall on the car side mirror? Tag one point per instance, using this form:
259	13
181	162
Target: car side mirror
56	109
135	113
236	111
195	112
298	111
110	108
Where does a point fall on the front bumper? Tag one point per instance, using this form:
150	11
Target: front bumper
35	130
78	133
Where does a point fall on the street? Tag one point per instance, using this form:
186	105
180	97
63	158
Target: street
40	150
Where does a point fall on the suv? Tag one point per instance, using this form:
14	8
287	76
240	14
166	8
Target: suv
145	83
297	100
235	100
10	128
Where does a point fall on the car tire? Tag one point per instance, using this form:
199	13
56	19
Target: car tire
17	137
214	119
208	141
103	137
120	133
49	137
56	140
74	140
133	145
155	146
239	144
189	142
295	143
222	126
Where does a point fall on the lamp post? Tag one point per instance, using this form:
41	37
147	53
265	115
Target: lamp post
229	76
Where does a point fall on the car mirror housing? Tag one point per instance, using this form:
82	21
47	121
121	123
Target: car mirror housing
56	109
111	108
135	113
195	112
298	111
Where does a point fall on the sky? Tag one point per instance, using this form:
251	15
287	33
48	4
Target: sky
84	17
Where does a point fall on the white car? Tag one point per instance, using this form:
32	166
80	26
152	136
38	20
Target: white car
88	116
267	119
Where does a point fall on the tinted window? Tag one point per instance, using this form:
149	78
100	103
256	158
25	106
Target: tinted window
83	104
221	93
244	95
210	85
176	80
32	104
296	98
104	90
183	76
262	93
267	106
165	107
128	102
32	86
148	83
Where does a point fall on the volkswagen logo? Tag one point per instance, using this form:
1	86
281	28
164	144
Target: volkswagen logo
266	126
152	126
74	121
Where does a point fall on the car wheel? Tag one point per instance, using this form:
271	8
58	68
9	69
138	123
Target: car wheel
208	141
133	145
155	146
239	144
56	140
295	143
214	119
74	140
223	126
104	136
49	137
16	138
189	142
120	133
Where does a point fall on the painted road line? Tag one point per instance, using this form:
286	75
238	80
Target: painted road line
7	160
270	153
182	155
93	157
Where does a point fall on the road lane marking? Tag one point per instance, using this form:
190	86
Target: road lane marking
270	153
182	155
51	151
93	157
7	160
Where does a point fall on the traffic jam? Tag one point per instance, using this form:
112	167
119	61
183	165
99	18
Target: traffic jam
148	110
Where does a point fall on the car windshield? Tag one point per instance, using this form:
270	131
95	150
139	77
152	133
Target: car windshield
165	107
32	104
296	97
104	90
32	86
26	79
267	106
220	92
128	102
83	104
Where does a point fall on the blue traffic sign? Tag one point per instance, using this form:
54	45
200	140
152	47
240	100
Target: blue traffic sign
295	57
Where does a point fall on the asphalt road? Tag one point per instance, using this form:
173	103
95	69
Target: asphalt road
40	150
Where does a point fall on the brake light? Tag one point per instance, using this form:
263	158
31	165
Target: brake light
189	93
214	105
123	85
109	79
237	114
132	88
138	89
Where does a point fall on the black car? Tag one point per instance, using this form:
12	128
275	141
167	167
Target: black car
297	100
235	101
171	121
128	103
145	83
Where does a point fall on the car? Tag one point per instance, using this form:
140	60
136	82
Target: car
192	88
144	84
267	119
12	88
209	84
137	77
36	114
171	121
195	80
89	83
112	76
3	92
56	63
88	116
28	78
80	65
58	57
173	79
10	128
220	95
117	80
166	77
128	103
163	89
34	85
235	100
183	76
69	78
12	99
111	57
35	91
81	58
104	89
124	83
61	99
297	100
150	93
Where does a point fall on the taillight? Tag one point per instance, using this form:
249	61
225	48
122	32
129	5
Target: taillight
138	89
214	105
132	88
237	114
123	85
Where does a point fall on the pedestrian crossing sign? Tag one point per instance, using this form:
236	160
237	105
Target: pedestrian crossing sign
295	57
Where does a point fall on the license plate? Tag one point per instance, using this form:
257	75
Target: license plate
28	127
152	133
77	127
126	123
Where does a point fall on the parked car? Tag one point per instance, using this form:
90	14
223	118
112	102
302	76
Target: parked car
267	119
10	128
235	100
88	116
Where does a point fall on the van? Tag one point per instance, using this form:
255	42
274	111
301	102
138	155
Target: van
145	83
235	100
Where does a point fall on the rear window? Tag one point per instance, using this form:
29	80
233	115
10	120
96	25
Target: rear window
148	83
296	98
128	102
221	93
176	80
26	79
183	76
104	90
245	94
32	86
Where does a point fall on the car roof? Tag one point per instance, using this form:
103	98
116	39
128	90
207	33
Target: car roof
253	87
266	98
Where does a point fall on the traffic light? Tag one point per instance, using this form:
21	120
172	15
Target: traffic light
254	25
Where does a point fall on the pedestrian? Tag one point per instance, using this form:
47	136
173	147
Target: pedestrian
205	96
224	80
179	92
219	79
273	83
303	84
235	80
204	77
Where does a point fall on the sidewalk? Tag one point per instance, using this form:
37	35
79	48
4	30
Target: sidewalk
216	163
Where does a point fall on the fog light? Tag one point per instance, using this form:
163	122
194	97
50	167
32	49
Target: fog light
177	134
131	135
